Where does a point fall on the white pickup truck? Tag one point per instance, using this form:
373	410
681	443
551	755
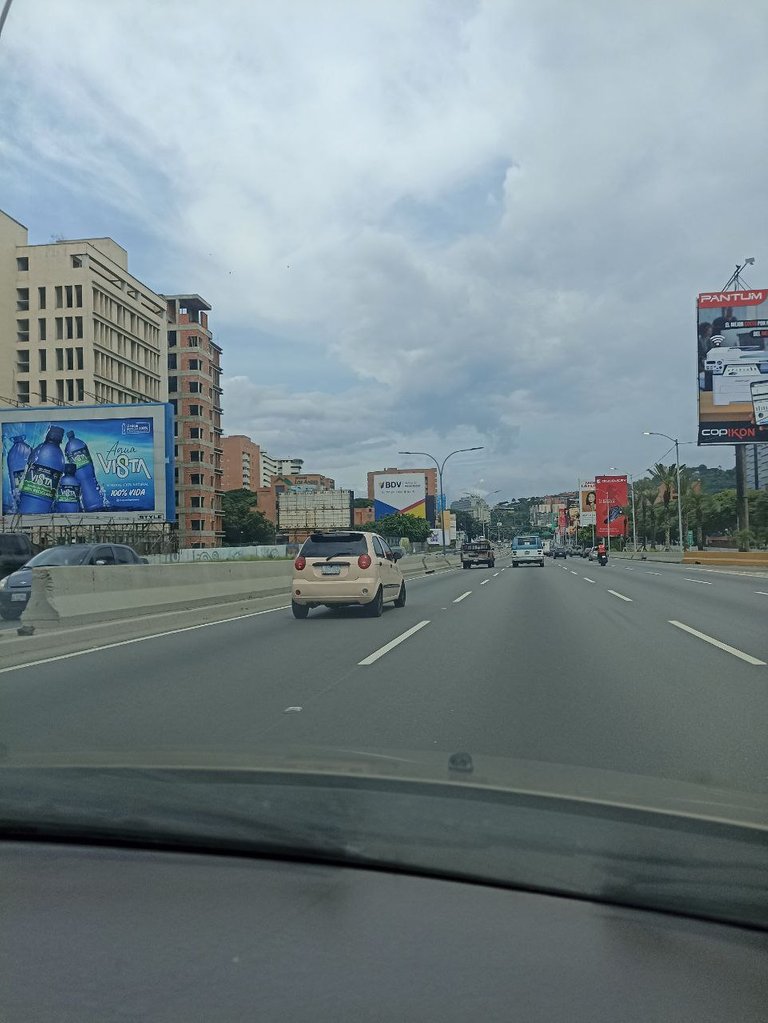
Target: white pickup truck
527	550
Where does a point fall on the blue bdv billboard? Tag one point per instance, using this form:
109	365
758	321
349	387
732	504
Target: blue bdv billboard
110	461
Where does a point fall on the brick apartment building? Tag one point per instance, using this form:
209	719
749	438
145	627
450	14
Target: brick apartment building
194	390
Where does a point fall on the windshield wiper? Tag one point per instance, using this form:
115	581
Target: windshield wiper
339	554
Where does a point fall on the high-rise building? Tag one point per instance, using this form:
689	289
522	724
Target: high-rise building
757	466
241	463
194	390
75	326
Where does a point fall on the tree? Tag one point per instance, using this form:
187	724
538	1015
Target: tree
467	523
243	522
408	526
362	502
665	477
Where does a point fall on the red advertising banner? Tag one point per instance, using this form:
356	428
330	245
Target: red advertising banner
612	497
561	523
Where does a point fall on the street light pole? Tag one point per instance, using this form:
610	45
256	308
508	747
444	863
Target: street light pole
676	442
440	468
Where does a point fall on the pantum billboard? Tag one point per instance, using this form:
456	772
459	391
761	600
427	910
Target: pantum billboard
732	329
109	463
611	495
587	503
401	493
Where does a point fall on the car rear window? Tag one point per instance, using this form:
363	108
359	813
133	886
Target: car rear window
527	541
325	546
11	543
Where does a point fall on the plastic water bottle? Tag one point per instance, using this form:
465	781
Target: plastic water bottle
17	460
68	496
41	478
91	493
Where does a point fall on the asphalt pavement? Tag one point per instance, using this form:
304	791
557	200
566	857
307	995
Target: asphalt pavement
650	669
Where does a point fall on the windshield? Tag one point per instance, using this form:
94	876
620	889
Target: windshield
59	556
373	329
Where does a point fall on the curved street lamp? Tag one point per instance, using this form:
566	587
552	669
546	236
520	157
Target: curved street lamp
440	466
676	442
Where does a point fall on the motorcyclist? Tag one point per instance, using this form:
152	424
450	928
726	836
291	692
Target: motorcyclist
602	552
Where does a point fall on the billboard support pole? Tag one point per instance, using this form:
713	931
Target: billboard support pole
742	505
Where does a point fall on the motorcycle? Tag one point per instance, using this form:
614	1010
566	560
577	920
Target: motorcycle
602	560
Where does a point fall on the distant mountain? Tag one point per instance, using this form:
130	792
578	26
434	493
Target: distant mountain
714	480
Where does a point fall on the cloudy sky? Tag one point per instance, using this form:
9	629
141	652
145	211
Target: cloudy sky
422	224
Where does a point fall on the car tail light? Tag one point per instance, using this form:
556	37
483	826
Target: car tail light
364	561
300	563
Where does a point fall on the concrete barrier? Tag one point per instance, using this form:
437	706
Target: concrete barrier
81	595
742	559
88	595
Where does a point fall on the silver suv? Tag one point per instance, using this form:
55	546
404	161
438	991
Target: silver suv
345	568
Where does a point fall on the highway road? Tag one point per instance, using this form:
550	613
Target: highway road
650	669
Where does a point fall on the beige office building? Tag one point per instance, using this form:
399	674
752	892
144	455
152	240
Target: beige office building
75	326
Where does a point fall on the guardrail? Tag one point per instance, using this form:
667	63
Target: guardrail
88	595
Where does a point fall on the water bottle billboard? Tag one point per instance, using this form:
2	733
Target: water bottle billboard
110	464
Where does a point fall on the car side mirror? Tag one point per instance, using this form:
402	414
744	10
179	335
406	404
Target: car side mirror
144	561
398	555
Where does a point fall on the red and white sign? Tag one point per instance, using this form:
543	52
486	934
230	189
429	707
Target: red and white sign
612	497
729	299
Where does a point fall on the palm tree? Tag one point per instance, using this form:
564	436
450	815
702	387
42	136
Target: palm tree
665	478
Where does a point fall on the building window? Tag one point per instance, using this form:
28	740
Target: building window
70	324
171	338
195	387
197	524
70	358
196	502
59	358
22	262
41	356
195	433
77	262
79	358
80	385
22	392
60	390
42	391
193	342
68	296
59	296
59	328
22	362
41	298
22	330
194	364
196	479
194	410
172	361
42	329
70	390
79	296
22	300
78	326
196	456
173	384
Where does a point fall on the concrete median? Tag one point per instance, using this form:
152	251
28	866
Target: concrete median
84	596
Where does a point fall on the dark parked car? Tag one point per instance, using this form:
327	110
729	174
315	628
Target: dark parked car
15	589
559	552
15	550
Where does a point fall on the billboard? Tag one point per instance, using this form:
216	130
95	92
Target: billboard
587	503
732	331
400	493
101	463
611	498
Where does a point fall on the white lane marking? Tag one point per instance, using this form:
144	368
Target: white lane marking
503	570
628	569
495	574
587	580
574	573
701	582
762	593
620	596
291	710
484	582
392	644
458	600
716	642
140	639
654	573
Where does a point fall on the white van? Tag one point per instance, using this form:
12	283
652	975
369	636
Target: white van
527	550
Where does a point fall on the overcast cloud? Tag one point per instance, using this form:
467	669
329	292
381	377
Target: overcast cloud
421	225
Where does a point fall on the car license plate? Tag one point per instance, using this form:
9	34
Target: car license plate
18	596
330	569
